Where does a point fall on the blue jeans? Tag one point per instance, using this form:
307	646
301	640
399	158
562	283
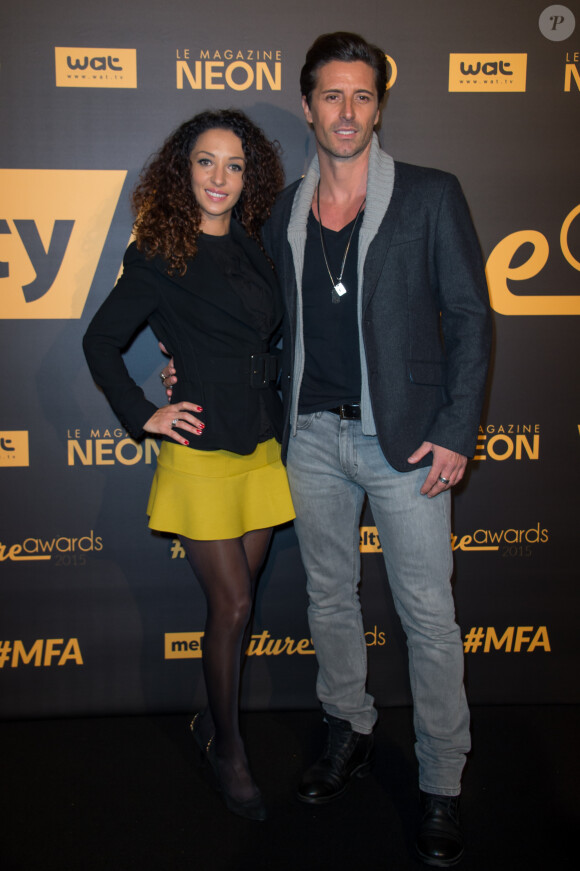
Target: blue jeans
331	465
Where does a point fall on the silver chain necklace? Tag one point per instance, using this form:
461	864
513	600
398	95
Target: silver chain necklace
338	288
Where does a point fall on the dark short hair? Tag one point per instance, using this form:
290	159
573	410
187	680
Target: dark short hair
346	47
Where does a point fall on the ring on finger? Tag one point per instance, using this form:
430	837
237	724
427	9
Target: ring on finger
163	376
444	480
175	421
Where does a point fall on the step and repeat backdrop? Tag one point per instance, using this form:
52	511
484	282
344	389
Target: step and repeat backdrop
97	614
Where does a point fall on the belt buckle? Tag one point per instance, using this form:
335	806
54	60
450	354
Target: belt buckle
263	370
349	412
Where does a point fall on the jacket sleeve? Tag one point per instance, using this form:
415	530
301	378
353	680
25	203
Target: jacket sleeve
465	322
129	305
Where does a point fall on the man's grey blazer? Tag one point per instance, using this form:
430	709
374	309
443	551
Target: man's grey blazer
425	317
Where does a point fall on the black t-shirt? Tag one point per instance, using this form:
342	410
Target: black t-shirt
332	362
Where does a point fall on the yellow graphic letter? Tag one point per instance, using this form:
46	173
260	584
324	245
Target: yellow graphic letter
53	228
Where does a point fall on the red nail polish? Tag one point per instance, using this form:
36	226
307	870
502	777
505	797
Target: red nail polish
186	443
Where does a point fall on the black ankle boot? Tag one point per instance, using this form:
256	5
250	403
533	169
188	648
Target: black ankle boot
440	842
347	754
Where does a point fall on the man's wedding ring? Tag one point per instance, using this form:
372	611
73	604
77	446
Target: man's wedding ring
443	480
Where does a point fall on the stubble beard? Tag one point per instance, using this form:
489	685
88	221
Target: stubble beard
337	155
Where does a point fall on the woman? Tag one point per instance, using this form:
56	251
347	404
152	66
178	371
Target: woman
198	275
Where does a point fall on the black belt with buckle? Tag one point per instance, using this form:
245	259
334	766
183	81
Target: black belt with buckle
264	370
259	370
347	412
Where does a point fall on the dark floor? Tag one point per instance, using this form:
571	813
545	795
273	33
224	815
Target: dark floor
125	793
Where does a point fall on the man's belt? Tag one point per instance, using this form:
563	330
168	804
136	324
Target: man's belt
347	412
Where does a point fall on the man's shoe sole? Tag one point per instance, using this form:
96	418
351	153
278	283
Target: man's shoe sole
438	863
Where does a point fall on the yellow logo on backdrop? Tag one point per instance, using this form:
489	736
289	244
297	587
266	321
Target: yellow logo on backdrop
14	448
571	70
512	640
512	440
95	67
107	447
499	271
41	652
51	245
236	69
183	645
487	72
189	645
44	548
392	72
369	540
513	541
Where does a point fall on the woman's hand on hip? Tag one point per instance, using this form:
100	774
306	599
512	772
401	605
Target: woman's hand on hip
179	415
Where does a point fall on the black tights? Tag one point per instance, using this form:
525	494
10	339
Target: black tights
227	571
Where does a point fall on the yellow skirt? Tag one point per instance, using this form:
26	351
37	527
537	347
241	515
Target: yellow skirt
209	495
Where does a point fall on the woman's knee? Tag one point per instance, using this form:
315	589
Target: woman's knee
233	611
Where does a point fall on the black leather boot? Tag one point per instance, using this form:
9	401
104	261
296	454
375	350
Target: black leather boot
440	842
347	754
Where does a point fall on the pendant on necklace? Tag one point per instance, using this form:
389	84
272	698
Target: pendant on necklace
338	291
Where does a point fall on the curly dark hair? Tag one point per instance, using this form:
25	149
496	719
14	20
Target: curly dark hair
167	215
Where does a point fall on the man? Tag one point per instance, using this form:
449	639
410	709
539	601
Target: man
386	345
385	349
